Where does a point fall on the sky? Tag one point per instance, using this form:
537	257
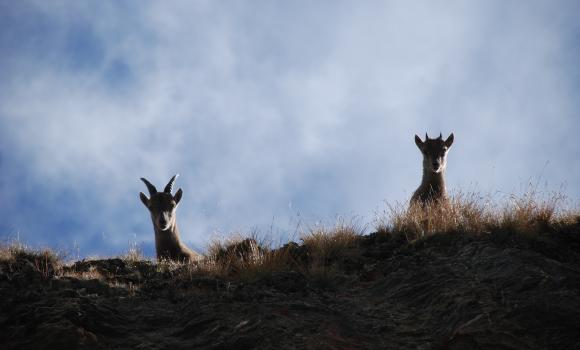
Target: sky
278	115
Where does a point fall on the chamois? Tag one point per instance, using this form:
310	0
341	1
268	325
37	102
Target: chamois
432	188
162	206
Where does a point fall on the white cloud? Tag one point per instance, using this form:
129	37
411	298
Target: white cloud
258	107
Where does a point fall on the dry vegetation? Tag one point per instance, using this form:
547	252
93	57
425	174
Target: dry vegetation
322	249
18	257
529	214
250	258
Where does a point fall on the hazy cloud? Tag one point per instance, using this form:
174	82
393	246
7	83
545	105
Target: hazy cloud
272	113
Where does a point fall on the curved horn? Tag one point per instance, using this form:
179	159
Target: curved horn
169	186
150	187
426	137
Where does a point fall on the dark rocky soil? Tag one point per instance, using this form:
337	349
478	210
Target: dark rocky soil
449	291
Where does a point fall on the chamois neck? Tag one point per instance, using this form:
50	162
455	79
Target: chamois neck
433	181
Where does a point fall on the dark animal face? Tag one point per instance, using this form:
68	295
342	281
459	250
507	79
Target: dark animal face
434	152
162	205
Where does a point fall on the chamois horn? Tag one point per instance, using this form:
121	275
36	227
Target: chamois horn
169	186
150	187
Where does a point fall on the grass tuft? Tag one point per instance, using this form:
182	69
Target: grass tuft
43	263
134	254
246	258
325	245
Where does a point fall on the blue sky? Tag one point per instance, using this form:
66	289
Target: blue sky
275	114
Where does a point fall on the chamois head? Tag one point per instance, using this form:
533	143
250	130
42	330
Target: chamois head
434	152
162	205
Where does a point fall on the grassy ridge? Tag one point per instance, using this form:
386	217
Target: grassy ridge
468	275
322	250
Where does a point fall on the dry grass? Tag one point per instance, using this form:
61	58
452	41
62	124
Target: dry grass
246	258
327	249
133	254
325	245
249	258
529	214
45	263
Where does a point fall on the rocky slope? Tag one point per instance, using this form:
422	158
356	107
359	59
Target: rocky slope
448	291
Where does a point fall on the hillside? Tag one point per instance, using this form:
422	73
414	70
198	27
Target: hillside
505	288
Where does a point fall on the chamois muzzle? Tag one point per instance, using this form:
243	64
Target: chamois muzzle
162	222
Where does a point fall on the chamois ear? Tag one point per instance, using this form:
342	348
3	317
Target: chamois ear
449	141
177	196
418	142
144	199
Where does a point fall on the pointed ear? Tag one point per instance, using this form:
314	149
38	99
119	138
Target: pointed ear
418	142
177	196
449	141
144	199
